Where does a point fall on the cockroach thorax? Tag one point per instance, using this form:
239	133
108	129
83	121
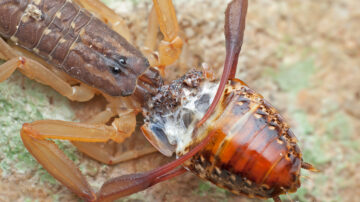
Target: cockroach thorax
173	113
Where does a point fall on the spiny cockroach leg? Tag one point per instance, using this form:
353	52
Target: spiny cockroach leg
108	16
309	167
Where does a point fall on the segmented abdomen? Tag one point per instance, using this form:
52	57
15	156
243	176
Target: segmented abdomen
253	151
45	27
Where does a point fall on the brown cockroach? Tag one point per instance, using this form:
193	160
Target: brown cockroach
225	133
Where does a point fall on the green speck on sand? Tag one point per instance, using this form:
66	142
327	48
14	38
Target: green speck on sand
21	101
292	78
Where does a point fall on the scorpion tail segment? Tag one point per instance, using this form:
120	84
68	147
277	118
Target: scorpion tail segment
309	167
56	163
123	186
235	17
132	183
129	184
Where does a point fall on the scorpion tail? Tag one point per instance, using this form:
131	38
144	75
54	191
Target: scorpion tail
235	17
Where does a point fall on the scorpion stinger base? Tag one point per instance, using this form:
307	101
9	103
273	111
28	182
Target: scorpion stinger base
132	183
235	18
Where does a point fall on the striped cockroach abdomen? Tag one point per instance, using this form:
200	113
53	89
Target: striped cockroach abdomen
253	151
75	41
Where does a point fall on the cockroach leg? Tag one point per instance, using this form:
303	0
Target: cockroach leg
108	16
308	166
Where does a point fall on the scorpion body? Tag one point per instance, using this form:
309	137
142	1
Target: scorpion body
75	41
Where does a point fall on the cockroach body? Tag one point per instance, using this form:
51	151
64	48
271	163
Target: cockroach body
223	132
252	150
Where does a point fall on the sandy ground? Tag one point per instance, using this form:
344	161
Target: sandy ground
303	56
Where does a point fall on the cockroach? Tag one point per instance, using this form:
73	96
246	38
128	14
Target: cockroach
223	132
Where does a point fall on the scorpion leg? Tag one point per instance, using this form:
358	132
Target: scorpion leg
149	49
112	152
7	69
57	164
34	136
65	130
107	15
171	45
34	70
6	52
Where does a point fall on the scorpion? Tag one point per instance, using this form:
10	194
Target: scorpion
224	132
